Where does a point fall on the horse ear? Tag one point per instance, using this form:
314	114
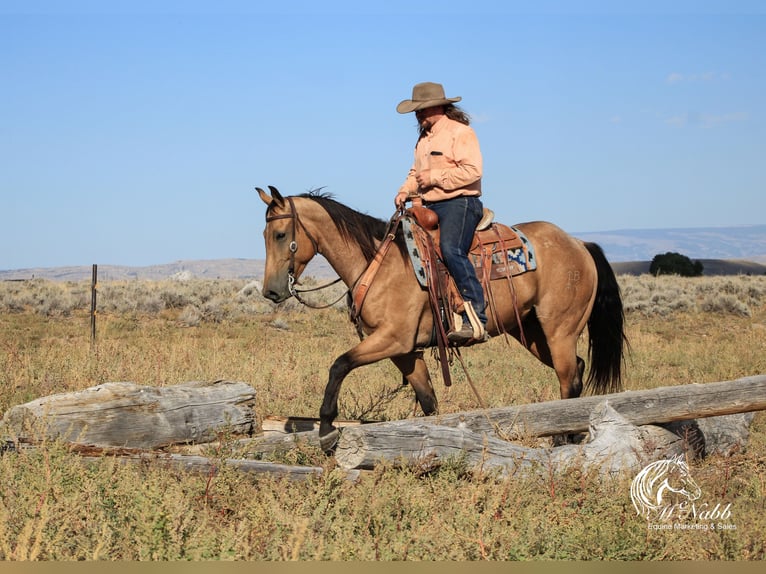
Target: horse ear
264	196
275	196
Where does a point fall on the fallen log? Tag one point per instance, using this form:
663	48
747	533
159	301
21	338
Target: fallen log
203	465
280	426
652	406
128	415
185	462
263	444
615	445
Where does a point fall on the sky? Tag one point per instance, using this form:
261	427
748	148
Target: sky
134	132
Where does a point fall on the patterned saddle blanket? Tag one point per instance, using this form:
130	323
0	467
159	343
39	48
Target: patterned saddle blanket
497	252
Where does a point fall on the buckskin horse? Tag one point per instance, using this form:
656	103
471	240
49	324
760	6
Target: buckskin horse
547	309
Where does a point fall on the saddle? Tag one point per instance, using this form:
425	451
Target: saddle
498	251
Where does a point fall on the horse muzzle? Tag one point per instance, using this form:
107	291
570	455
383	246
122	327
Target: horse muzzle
276	290
276	295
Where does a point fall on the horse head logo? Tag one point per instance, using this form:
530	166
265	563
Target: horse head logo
661	485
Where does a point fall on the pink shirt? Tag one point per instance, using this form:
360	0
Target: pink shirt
451	152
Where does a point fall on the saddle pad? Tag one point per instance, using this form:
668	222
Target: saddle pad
500	244
413	248
506	250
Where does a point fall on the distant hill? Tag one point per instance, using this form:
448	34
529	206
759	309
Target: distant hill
320	269
746	242
722	250
201	269
709	267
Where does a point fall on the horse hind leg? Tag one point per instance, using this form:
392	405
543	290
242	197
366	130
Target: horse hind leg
569	367
562	357
559	353
415	372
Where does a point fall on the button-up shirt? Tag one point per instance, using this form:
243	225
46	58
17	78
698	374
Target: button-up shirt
450	151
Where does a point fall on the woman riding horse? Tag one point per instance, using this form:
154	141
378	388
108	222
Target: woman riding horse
572	287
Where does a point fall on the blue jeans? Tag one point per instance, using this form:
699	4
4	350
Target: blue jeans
458	219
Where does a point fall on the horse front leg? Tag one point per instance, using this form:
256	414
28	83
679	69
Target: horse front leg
380	345
328	434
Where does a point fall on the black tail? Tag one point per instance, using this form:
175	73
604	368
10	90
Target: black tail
606	334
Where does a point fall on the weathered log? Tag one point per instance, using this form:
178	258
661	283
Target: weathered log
652	406
203	465
276	425
615	446
479	433
192	463
270	443
124	414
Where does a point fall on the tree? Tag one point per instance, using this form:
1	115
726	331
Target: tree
675	264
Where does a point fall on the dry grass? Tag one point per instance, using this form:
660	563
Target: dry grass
53	507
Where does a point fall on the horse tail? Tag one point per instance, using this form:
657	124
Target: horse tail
606	329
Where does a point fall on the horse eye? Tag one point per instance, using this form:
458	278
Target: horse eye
280	235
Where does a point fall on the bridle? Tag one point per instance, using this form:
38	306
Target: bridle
293	247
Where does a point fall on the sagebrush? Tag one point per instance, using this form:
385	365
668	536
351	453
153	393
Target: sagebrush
55	507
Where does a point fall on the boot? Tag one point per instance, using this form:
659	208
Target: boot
461	336
465	334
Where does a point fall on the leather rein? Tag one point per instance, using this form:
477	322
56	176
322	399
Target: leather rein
358	292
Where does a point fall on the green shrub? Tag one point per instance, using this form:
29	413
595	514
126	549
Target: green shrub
675	264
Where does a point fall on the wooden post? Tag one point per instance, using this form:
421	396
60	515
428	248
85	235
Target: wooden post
93	289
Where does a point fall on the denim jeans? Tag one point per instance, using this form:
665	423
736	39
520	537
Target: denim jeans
458	219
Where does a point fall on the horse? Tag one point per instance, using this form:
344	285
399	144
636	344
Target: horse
572	287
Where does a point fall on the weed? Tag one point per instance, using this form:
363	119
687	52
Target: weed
56	506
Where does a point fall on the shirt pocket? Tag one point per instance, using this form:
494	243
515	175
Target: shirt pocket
439	160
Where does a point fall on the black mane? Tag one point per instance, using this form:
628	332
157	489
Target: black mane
354	226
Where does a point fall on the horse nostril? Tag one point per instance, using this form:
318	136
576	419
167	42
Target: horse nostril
272	295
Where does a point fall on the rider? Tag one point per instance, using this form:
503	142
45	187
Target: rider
446	175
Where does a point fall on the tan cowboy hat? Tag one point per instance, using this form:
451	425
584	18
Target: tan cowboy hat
425	95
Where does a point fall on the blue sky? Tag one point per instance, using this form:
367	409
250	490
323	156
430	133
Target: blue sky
133	133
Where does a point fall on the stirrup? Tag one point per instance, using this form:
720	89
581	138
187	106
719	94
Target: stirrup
469	332
478	328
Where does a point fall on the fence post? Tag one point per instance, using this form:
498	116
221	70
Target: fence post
93	289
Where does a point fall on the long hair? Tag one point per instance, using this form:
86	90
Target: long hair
453	112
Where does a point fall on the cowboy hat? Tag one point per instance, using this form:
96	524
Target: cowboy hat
425	95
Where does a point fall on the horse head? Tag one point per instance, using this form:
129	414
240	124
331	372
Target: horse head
289	246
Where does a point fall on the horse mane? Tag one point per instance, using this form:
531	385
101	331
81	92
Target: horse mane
354	226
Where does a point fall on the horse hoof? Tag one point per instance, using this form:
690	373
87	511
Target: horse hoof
329	441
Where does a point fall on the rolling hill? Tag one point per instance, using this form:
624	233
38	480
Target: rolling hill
722	251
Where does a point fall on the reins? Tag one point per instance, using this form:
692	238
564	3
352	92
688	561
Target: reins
358	291
360	287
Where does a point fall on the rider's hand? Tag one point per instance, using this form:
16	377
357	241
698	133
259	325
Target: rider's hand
401	199
423	177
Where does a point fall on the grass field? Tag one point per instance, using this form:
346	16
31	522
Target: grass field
53	507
